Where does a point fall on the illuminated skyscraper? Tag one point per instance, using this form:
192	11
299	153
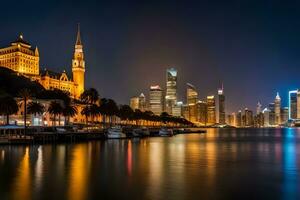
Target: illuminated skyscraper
211	110
202	112
231	119
177	109
221	105
248	118
192	98
258	108
266	113
239	119
284	115
277	109
272	114
134	103
191	94
171	89
142	102
293	104
156	99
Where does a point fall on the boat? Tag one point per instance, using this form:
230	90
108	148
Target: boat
165	132
140	132
115	133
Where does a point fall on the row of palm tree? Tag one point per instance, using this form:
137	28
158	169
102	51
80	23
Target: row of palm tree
138	117
93	108
9	106
108	109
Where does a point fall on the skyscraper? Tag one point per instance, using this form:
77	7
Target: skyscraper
211	110
221	105
202	112
231	119
156	99
248	118
266	113
192	98
272	114
258	108
134	103
277	109
293	104
142	102
239	119
191	94
284	114
177	109
171	89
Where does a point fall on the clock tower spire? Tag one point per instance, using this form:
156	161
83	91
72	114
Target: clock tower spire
78	66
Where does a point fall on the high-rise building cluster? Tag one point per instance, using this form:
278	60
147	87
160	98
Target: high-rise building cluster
271	116
201	112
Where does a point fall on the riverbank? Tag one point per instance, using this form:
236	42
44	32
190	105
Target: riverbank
34	136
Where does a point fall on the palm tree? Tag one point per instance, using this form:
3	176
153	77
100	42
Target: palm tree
55	109
125	113
90	96
25	95
112	110
103	109
86	112
8	106
69	111
164	116
35	108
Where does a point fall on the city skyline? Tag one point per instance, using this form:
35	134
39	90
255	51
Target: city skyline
217	53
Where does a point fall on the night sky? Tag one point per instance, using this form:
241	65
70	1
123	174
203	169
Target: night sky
252	46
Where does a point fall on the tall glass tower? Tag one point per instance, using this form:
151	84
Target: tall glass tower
171	89
221	105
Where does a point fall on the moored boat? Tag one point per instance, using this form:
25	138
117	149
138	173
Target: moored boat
115	133
140	132
166	132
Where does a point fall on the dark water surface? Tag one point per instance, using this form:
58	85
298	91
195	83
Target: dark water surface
222	164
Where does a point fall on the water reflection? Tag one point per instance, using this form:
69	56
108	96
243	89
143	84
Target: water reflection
222	164
290	170
22	184
79	172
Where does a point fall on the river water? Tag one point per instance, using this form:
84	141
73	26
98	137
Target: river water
221	164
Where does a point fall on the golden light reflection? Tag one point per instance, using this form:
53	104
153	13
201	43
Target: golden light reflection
39	168
211	161
156	179
2	155
79	173
129	158
22	185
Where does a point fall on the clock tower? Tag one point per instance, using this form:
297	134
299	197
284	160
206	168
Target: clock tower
78	66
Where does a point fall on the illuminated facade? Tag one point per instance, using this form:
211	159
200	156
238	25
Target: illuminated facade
177	109
221	105
277	109
248	118
293	104
156	99
211	110
134	103
191	94
22	58
202	112
138	102
171	89
192	99
142	102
